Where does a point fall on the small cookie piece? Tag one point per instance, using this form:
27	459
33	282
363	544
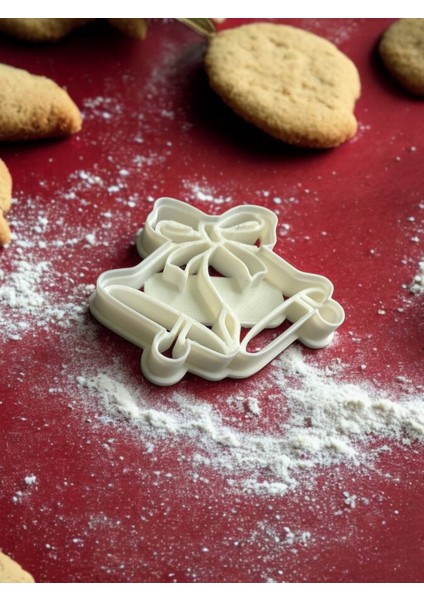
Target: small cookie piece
293	84
40	30
11	572
135	28
402	51
34	107
5	202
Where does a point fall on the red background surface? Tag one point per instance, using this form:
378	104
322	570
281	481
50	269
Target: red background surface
101	515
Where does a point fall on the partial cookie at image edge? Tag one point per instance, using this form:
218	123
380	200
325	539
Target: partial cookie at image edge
5	202
34	107
12	572
401	49
40	30
53	30
134	28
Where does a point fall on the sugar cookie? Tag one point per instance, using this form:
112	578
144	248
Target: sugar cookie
402	51
52	30
135	28
294	85
11	572
34	107
5	202
40	30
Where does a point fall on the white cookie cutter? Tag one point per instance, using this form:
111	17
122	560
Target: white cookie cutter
202	280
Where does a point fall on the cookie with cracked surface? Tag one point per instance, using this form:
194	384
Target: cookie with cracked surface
402	51
34	107
40	30
5	202
292	84
11	572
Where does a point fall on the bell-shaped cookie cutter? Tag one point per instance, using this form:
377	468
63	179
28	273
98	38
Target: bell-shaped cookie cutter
205	279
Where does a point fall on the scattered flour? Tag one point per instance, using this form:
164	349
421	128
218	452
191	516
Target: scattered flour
253	406
30	294
322	419
338	31
318	420
330	422
417	285
30	479
205	193
350	499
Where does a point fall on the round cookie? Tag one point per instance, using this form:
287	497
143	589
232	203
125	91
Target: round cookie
294	85
402	51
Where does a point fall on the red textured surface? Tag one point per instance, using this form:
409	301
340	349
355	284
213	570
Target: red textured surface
109	512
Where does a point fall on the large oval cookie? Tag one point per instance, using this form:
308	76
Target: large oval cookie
402	51
293	84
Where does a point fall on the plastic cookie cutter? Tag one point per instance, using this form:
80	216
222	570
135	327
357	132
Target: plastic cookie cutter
206	288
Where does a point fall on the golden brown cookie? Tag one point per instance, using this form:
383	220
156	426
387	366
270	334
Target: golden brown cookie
11	572
294	85
5	202
40	30
135	28
34	107
402	51
52	30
